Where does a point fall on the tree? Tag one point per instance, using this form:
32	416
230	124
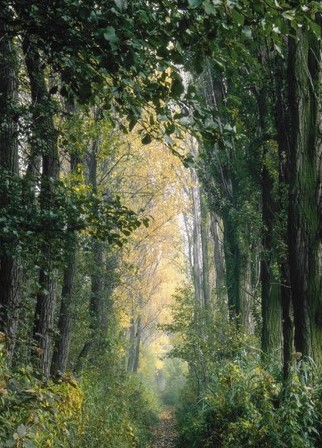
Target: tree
45	142
9	165
304	214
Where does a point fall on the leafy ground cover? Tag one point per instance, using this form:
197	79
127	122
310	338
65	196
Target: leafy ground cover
165	434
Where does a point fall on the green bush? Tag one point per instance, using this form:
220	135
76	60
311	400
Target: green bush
106	409
248	407
37	414
118	411
231	399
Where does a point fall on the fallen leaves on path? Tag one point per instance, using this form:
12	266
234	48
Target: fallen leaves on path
165	432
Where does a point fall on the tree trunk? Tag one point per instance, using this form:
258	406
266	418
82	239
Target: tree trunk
218	257
9	264
270	269
304	223
62	343
246	294
270	280
197	249
61	349
288	326
232	263
137	345
207	250
131	357
95	300
282	121
45	143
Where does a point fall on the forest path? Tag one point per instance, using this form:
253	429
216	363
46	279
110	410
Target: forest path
165	433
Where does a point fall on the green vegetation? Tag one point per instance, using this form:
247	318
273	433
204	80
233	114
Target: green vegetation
242	401
107	407
150	153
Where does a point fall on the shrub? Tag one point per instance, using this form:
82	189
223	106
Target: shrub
107	409
248	407
37	414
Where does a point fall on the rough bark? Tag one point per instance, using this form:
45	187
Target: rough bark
304	223
282	120
9	264
45	144
270	271
64	326
288	326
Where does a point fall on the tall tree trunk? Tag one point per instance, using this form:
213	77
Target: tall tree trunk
61	349
219	261
9	264
137	345
288	326
95	307
282	121
45	143
95	300
246	293
270	271
304	224
131	356
233	268
62	342
270	279
207	250
197	249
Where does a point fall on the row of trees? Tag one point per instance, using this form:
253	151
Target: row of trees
68	71
258	162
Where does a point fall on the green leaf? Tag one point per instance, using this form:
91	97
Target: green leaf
185	121
279	50
21	431
258	7
247	32
209	8
29	444
194	3
316	28
121	4
289	15
110	35
238	17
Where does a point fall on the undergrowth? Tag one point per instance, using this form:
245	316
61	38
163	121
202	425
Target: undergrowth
232	400
246	406
105	409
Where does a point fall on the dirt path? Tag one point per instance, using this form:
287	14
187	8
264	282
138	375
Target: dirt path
165	433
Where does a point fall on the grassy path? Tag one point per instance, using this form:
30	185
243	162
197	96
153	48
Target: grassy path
165	433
